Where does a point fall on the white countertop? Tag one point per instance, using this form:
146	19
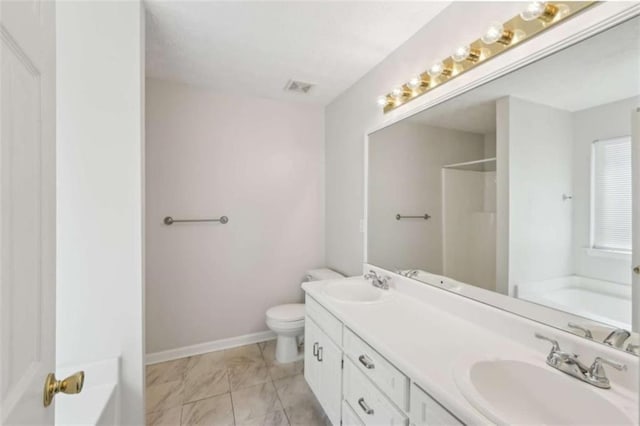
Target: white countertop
425	342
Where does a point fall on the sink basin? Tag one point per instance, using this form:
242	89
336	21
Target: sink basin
517	392
355	291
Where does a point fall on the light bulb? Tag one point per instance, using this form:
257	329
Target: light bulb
382	101
415	82
534	10
461	53
493	33
397	92
435	70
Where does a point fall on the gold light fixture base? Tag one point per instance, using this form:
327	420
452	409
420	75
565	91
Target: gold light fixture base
506	38
549	13
516	31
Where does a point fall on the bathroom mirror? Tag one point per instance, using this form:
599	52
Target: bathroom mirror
519	192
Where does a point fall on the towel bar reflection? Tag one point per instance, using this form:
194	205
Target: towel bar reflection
170	221
425	217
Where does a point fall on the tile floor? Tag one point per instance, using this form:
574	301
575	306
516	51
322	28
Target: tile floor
240	386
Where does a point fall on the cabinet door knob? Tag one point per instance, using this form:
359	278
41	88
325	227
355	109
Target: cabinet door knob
319	356
636	270
368	410
315	349
366	361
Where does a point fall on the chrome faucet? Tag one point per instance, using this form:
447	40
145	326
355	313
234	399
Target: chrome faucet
411	273
586	331
377	280
633	349
568	363
617	338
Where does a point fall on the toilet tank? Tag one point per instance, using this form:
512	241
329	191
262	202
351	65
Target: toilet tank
322	274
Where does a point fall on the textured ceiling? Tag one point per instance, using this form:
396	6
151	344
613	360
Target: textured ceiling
254	48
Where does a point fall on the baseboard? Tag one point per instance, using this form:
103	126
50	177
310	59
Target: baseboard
202	348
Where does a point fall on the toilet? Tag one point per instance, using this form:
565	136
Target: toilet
287	321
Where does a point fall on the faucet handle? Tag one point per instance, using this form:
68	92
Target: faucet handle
586	331
597	370
634	349
617	337
556	345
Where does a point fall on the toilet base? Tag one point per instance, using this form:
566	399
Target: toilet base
287	349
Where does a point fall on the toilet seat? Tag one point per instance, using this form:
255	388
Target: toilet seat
283	326
289	313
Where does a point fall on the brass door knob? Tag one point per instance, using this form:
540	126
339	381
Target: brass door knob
637	270
52	386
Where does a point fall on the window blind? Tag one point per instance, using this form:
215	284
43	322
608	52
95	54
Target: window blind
611	194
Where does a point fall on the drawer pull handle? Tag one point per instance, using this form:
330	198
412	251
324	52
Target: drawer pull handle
365	407
319	357
315	349
364	360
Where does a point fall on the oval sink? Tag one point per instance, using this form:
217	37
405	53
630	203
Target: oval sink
517	392
355	291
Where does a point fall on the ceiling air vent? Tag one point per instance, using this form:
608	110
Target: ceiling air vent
298	86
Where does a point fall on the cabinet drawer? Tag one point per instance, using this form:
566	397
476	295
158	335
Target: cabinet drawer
325	320
349	417
388	378
371	406
425	411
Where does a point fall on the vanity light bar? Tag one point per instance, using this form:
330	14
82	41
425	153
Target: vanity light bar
498	38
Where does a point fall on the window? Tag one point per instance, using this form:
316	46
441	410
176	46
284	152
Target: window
611	195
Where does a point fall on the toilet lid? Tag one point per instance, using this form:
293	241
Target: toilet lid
289	312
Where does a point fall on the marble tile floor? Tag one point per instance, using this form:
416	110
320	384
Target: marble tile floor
239	386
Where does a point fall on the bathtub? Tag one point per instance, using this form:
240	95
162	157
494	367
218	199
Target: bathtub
599	300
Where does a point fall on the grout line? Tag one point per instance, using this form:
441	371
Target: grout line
233	410
184	380
284	410
206	397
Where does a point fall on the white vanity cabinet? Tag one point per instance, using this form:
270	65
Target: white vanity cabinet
355	384
323	368
425	411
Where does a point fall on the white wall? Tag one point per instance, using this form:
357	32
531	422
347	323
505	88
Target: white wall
502	196
100	84
601	122
469	235
405	177
540	223
490	145
259	162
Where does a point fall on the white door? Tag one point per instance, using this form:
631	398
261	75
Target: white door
27	209
635	167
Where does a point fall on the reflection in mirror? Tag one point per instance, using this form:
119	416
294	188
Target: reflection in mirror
522	187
